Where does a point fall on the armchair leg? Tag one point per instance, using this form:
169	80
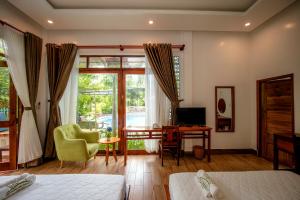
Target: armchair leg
162	159
61	164
84	164
178	156
159	150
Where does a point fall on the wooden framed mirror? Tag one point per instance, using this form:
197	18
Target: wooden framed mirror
224	106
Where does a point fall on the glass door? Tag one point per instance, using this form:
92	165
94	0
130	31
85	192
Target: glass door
97	107
112	94
135	106
8	129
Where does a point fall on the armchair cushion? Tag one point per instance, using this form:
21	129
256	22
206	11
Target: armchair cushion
92	148
89	137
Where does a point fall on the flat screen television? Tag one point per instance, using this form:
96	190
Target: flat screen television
191	116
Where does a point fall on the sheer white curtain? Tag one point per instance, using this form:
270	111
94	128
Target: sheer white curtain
157	106
29	141
68	102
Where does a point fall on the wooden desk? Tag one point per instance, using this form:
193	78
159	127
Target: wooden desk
148	133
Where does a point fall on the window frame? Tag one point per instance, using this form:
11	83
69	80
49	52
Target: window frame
121	73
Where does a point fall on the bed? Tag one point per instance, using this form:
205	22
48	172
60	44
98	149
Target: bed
254	185
73	186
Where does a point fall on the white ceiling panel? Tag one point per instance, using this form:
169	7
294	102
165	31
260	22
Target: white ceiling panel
201	5
180	15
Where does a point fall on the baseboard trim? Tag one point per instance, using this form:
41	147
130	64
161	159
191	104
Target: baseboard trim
229	151
234	151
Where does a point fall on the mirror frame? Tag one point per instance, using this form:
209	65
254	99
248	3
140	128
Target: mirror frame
232	110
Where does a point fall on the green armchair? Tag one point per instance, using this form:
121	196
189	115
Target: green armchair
74	144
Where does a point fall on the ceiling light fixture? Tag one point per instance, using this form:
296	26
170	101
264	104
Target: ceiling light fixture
150	22
221	44
289	25
50	21
247	24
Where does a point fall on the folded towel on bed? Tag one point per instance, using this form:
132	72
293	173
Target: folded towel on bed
13	186
13	180
208	188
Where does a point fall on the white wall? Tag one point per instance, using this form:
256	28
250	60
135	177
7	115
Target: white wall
221	59
15	17
275	48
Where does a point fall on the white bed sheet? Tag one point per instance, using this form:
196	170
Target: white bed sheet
73	187
250	185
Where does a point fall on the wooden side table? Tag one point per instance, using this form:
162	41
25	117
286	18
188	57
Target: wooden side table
113	141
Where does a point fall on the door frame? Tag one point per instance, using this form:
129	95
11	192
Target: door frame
121	73
259	108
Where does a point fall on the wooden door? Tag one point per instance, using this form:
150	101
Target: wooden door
276	114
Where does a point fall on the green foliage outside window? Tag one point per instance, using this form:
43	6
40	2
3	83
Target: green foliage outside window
4	87
4	83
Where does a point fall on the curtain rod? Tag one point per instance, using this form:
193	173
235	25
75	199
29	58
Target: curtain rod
122	47
11	26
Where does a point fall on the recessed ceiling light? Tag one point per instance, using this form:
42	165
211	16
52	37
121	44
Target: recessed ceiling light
247	24
150	22
50	21
221	44
289	25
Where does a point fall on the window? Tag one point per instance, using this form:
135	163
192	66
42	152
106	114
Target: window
4	83
104	62
134	62
83	62
2	56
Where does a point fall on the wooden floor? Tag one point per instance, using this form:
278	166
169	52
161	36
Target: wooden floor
145	174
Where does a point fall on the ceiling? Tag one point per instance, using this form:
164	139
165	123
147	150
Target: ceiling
185	15
202	5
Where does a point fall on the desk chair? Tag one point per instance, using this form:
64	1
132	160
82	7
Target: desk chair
171	141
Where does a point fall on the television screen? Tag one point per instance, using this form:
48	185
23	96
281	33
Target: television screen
191	116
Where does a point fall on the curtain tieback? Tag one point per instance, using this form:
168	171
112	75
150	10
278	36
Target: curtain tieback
53	103
27	108
177	101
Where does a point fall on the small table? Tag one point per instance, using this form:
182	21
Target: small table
113	141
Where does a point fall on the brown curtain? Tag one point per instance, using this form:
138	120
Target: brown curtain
60	60
33	55
160	58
